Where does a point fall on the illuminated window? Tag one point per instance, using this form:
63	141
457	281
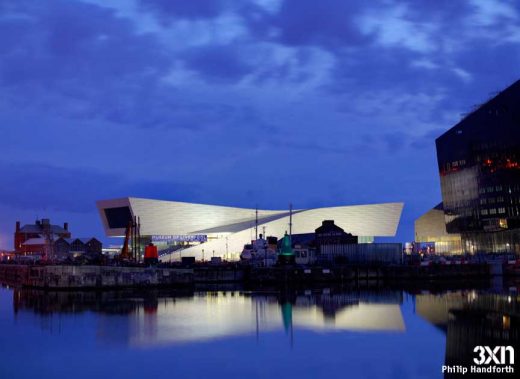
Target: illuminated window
493	211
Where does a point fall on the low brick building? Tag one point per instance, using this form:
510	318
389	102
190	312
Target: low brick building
37	238
64	247
52	241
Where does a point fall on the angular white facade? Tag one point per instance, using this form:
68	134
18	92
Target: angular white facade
229	228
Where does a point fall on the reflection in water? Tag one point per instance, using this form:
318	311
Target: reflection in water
471	318
162	317
316	332
165	317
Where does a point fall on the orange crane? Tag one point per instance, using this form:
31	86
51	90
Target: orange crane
133	234
125	253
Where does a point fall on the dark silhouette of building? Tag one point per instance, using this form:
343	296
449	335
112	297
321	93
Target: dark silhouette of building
479	167
38	237
331	234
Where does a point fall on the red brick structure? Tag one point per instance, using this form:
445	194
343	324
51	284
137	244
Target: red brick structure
36	238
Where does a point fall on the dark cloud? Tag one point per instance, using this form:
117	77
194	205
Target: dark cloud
53	188
427	140
395	141
167	10
37	186
218	63
326	23
81	60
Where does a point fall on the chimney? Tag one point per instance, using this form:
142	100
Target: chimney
17	226
66	226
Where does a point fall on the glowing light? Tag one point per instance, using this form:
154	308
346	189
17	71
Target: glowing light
506	322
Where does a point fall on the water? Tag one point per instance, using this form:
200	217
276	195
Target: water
320	333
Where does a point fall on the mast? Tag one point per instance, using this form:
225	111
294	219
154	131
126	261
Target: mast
138	238
290	220
256	223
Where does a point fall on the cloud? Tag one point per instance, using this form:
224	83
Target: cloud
218	63
55	188
180	9
37	186
81	61
216	99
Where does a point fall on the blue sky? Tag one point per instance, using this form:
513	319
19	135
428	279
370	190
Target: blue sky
247	102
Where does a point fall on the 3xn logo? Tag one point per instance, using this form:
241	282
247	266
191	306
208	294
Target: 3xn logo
496	355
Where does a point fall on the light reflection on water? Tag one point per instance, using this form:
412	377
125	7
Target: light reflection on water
377	332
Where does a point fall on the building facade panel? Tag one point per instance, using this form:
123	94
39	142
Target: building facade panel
431	228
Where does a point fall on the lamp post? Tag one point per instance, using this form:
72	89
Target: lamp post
202	255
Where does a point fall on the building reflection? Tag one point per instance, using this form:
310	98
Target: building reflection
164	317
153	318
470	319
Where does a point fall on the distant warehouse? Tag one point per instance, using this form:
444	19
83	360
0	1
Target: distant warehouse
366	253
330	244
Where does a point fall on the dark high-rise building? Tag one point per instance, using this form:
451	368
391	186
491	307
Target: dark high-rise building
479	166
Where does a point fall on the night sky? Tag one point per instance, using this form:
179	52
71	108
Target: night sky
245	103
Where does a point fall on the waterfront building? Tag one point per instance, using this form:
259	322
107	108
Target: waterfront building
37	238
64	247
479	167
363	253
304	255
332	245
51	241
331	234
431	235
182	229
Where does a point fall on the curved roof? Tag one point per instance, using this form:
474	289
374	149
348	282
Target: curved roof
158	217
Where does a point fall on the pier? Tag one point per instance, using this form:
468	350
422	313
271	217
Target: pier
110	277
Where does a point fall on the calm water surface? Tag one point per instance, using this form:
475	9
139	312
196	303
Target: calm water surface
320	333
